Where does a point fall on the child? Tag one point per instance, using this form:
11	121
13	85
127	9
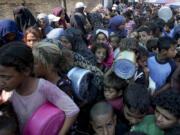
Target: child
166	118
103	120
167	114
113	91
152	45
32	35
114	41
144	35
102	36
136	102
101	52
161	65
142	74
169	29
16	64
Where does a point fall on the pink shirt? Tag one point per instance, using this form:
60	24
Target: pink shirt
24	106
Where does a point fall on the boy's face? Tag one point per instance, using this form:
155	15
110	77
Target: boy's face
10	78
132	115
143	61
143	37
114	42
110	93
104	124
171	53
164	119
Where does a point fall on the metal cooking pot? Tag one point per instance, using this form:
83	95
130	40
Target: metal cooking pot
80	80
124	66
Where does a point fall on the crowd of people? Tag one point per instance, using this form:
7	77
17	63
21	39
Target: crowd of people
37	54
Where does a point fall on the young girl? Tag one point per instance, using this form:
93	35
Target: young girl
101	36
32	35
16	64
101	52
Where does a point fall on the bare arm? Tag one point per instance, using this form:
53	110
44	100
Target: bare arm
163	88
67	124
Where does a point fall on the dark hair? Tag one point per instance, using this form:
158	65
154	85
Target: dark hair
115	36
152	44
96	35
101	45
170	24
17	55
170	101
115	82
142	52
165	43
8	119
135	133
128	14
136	96
145	29
35	31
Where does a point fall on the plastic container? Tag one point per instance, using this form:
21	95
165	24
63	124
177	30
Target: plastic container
46	120
80	80
124	66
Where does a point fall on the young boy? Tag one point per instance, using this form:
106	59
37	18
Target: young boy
142	74
144	35
152	45
103	120
169	29
136	103
166	120
161	65
114	41
113	91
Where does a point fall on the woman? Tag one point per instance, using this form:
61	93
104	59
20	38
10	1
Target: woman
44	23
116	25
9	32
23	18
64	19
72	39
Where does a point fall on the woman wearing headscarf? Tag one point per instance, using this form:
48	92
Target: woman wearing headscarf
9	32
44	22
23	18
116	26
73	40
64	19
79	20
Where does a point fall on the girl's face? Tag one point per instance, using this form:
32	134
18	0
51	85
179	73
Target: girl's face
114	42
56	24
66	43
10	78
100	55
31	39
101	38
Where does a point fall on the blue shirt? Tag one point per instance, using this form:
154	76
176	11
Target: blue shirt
160	72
